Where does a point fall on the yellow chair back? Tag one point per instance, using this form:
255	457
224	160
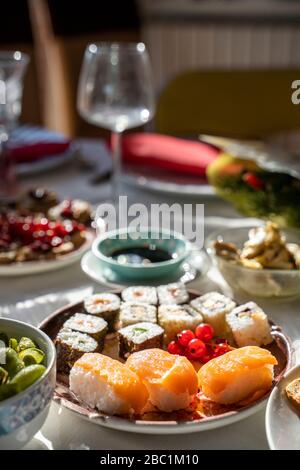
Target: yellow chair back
241	104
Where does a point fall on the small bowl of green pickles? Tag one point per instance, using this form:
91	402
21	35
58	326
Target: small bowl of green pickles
27	381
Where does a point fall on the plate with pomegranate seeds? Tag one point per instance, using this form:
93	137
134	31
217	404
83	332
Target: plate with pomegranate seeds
165	360
40	233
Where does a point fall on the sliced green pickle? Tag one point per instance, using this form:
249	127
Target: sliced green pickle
3	339
13	364
25	343
13	343
7	391
32	356
27	376
3	376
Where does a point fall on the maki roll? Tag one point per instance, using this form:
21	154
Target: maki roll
249	325
105	305
70	346
213	306
140	294
94	326
175	318
174	293
134	312
143	335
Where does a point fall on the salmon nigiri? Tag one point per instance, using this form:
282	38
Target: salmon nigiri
107	384
243	374
170	380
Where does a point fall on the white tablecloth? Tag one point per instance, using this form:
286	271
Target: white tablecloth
34	297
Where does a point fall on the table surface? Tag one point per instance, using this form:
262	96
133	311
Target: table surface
65	430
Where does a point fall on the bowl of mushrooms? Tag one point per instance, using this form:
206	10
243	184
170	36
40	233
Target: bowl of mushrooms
261	260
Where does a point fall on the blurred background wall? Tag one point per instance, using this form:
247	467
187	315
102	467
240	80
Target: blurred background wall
181	35
220	34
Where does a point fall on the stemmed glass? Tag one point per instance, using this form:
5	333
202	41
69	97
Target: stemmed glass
13	65
116	93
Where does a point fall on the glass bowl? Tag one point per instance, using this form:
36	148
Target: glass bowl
257	282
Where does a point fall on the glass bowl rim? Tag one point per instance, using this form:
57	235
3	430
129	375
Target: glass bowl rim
138	46
217	233
9	57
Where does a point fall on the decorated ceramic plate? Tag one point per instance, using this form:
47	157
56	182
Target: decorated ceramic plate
39	232
203	415
33	267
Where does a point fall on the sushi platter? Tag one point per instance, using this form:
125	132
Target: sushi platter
121	361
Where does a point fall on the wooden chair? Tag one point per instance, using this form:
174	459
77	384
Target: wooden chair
242	104
15	34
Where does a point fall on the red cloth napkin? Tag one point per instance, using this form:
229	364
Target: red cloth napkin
31	143
168	153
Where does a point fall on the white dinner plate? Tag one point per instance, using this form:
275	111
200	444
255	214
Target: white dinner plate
282	420
194	268
33	267
173	185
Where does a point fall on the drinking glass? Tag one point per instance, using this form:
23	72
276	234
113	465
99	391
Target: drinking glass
116	92
13	65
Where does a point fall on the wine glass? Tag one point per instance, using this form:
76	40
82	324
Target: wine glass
13	65
116	93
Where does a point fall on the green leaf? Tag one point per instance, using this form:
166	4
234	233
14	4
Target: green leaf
138	331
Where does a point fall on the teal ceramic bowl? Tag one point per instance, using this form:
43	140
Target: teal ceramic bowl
173	243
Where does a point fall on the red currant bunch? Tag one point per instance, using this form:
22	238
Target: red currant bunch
34	231
199	345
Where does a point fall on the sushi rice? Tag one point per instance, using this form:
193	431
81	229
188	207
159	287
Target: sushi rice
71	345
213	306
174	293
141	332
134	312
175	318
76	340
143	335
89	324
108	385
105	305
140	294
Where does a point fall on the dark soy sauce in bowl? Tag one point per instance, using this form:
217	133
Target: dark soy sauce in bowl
141	254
